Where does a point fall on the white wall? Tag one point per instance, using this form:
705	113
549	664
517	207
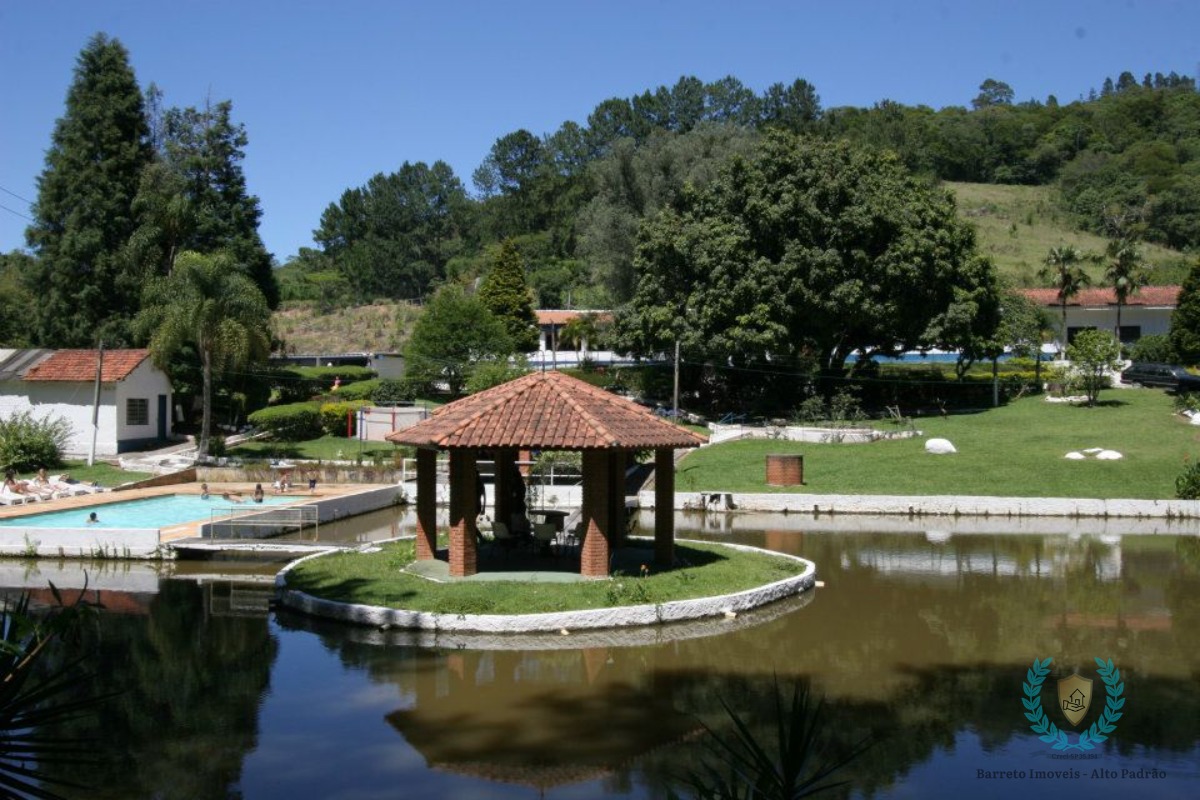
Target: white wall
1151	319
145	382
72	401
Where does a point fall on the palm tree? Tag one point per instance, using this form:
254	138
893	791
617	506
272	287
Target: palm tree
209	303
1125	273
1062	270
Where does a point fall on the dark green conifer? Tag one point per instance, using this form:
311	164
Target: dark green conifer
507	296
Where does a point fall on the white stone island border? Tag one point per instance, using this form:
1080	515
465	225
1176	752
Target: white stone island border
557	621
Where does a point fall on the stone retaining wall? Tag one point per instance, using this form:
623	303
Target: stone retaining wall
931	505
590	619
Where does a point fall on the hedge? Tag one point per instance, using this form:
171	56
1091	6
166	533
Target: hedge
334	417
294	422
296	384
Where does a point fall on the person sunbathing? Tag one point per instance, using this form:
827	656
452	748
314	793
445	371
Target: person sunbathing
41	484
15	486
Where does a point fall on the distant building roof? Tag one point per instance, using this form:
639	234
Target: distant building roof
546	410
80	365
558	316
1167	296
14	363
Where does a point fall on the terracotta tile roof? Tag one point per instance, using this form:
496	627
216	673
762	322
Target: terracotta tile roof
546	410
80	365
554	316
1103	296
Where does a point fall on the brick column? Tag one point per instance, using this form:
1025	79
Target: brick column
426	504
462	509
594	550
664	507
505	465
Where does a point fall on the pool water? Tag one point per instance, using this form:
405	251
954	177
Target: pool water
151	512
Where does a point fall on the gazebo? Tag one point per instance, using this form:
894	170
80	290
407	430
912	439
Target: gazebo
544	411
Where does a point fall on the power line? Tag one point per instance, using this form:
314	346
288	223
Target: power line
17	213
14	194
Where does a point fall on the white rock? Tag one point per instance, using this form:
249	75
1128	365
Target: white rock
1075	456
1109	455
1091	451
1195	420
939	446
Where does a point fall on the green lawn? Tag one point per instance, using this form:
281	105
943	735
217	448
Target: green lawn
1016	450
100	472
377	579
327	448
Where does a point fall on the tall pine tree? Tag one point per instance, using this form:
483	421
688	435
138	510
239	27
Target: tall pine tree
205	148
507	296
83	217
1185	321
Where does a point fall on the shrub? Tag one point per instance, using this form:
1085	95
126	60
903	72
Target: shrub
391	391
334	417
487	374
28	442
297	384
294	422
1155	348
1187	485
359	390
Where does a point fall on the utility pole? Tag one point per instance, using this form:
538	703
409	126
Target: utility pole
96	404
675	404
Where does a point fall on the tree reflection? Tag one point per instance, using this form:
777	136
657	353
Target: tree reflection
188	688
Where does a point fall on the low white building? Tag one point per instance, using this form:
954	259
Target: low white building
1146	312
135	396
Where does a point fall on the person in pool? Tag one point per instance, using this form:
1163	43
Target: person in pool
204	491
258	493
93	519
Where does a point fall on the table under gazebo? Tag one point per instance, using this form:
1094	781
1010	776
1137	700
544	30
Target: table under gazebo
544	411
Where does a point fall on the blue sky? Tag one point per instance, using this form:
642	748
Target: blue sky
334	92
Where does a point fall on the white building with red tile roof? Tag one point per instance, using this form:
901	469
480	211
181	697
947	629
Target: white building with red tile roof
135	396
1144	313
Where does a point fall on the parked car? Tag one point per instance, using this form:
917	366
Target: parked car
1169	376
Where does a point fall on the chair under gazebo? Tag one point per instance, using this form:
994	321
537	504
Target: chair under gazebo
544	411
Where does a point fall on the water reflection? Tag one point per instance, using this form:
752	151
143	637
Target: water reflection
920	640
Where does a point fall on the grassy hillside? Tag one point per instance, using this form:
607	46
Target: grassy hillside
377	328
1019	224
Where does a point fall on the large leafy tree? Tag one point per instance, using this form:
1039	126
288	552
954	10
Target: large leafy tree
455	334
505	293
15	298
394	236
1185	321
209	303
1064	271
83	216
806	250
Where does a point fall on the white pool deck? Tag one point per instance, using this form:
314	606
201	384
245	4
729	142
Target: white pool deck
331	501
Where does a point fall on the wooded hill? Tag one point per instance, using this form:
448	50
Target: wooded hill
1122	163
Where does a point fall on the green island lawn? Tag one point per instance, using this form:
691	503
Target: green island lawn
377	579
1016	450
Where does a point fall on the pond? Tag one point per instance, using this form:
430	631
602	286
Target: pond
921	641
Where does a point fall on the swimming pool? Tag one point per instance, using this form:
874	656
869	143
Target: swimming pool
150	512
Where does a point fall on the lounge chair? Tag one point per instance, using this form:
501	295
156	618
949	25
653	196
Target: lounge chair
68	489
10	498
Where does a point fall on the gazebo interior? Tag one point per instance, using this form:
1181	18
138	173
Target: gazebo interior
543	411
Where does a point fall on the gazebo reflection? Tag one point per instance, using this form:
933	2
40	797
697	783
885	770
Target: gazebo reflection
541	719
544	411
